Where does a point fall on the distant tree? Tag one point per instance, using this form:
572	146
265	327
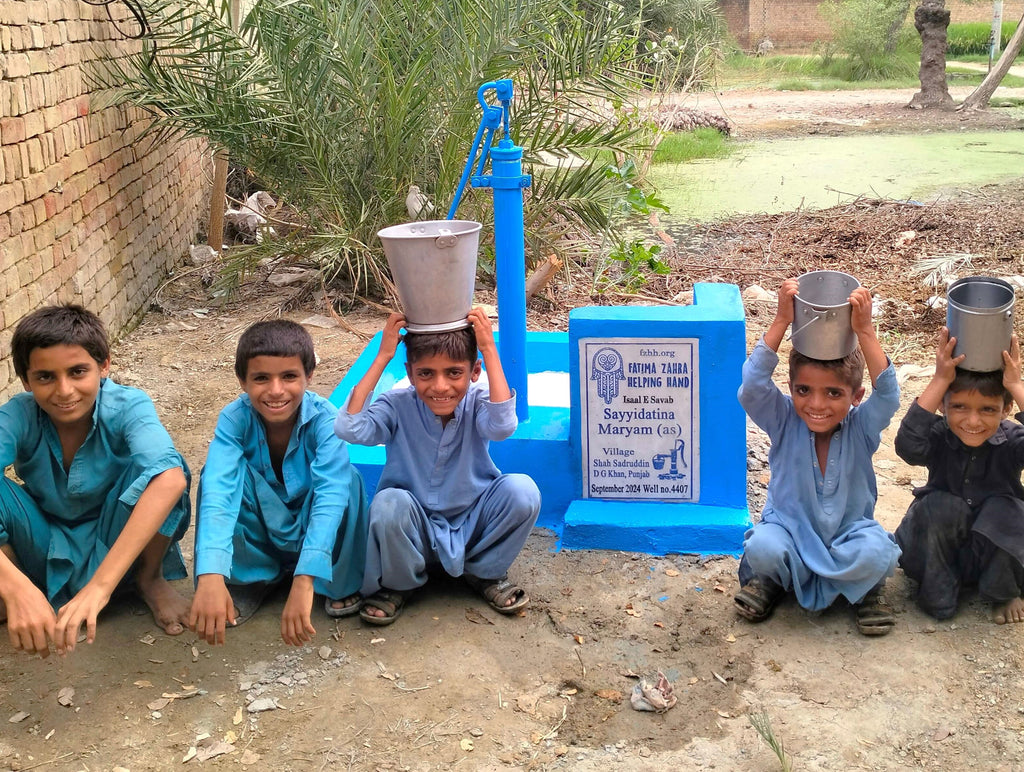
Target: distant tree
979	98
931	19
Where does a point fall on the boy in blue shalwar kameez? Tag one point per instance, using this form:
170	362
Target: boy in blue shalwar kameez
817	535
440	500
105	493
278	496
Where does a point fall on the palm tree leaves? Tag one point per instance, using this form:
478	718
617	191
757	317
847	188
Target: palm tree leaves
340	105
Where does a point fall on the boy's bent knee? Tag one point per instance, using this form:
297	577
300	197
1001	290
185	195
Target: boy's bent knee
392	508
523	494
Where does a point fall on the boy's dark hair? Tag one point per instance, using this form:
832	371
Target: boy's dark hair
275	338
850	368
986	384
457	345
67	325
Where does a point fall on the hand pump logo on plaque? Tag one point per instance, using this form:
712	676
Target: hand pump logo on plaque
641	426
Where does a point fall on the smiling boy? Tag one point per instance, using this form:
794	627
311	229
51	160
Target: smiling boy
966	524
278	496
440	500
104	495
817	535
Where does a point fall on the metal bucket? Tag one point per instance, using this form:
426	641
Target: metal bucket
433	264
979	314
822	326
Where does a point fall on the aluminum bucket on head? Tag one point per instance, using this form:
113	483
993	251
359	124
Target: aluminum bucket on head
822	326
979	314
433	264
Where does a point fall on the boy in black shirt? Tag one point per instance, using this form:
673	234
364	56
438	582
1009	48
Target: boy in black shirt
966	524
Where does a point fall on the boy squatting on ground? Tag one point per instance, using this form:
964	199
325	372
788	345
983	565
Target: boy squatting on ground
817	534
440	499
105	494
966	524
277	496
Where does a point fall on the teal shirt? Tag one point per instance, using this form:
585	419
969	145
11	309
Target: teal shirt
315	465
125	431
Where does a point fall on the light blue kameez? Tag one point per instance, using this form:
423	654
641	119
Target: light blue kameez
440	499
253	527
61	525
817	534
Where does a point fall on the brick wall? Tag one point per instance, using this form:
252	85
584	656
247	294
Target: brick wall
89	212
797	24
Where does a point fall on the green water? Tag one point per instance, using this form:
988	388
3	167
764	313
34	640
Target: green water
818	172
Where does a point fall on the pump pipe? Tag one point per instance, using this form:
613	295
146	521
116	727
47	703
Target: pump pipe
507	181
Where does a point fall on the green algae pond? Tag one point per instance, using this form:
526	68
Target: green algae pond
780	175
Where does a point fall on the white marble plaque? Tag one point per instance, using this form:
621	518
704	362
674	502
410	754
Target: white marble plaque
640	423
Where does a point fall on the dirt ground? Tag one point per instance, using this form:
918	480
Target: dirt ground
452	685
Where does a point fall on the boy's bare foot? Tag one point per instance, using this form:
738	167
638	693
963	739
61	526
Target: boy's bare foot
170	610
1011	611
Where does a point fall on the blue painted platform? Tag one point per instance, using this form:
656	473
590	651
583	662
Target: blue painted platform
716	522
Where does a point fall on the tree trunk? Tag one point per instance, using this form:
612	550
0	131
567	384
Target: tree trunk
931	20
978	99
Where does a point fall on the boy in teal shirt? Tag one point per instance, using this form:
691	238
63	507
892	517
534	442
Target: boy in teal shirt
278	496
105	493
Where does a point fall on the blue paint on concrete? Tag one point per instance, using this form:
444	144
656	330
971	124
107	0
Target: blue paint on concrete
715	523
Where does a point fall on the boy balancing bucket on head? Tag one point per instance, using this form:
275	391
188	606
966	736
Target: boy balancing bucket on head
433	263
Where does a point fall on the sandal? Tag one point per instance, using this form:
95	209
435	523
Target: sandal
345	611
498	592
248	598
757	598
391	602
874	615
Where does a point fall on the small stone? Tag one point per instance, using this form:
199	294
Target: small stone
262	704
324	652
476	731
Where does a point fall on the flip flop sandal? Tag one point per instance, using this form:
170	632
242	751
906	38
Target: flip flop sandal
248	598
498	592
874	615
756	600
345	611
391	602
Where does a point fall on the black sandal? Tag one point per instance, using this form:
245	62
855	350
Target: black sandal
498	592
391	602
874	615
757	598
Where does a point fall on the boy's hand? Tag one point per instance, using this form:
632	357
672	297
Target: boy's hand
392	335
1011	366
296	626
786	310
83	608
30	620
860	312
945	362
212	608
784	314
483	329
1012	372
